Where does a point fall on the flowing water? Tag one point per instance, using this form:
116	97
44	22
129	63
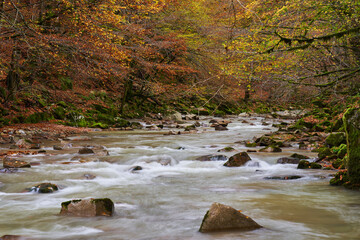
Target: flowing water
169	201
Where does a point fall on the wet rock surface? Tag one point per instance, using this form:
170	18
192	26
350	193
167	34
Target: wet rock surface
14	163
225	218
238	160
88	207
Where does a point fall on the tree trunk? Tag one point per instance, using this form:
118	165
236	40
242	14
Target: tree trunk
13	78
351	121
127	93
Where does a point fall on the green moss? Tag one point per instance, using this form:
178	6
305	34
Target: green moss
339	163
351	121
299	156
303	164
335	139
107	203
315	165
59	113
67	203
66	83
248	144
324	152
99	125
340	178
203	221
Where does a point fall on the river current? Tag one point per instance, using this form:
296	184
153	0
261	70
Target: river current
170	201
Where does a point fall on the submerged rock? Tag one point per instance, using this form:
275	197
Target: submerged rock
13	163
288	160
88	207
227	149
89	176
212	158
9	170
292	177
221	217
135	169
12	237
238	160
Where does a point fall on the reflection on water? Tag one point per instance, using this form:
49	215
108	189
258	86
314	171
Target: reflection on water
169	197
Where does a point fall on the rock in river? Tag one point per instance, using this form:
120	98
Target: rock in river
221	217
13	163
212	158
238	160
86	150
88	207
44	188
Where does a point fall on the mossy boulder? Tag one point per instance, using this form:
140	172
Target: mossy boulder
324	152
303	164
299	156
352	127
88	207
315	165
225	218
335	139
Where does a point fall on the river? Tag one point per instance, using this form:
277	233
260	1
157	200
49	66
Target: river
169	202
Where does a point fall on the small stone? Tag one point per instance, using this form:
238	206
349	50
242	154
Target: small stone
220	128
86	150
56	147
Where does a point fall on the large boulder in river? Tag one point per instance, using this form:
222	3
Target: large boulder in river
88	207
238	160
221	218
13	163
